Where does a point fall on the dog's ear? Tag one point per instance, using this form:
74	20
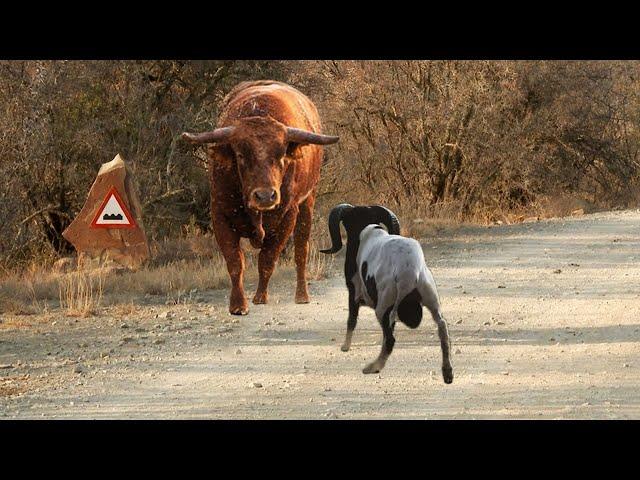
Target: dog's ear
354	221
335	217
387	218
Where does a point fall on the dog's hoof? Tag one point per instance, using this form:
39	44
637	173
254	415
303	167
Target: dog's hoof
447	375
371	368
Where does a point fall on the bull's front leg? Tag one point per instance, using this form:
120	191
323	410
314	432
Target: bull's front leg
301	240
272	246
229	244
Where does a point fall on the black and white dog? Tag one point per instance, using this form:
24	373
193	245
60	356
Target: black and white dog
388	273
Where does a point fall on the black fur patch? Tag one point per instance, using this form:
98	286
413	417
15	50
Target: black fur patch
387	331
370	284
354	221
354	307
410	309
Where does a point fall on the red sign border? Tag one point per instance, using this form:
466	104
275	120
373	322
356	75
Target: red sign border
114	191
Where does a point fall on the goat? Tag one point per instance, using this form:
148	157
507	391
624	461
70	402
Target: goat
388	273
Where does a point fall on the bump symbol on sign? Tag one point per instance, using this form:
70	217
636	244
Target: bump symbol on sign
113	213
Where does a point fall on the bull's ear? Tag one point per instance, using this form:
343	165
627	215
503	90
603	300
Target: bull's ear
294	150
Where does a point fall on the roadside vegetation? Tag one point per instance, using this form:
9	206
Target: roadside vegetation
439	142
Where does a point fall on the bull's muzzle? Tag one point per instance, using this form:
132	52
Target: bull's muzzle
264	198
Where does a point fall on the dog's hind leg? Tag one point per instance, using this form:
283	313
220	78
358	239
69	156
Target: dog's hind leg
429	293
387	322
443	333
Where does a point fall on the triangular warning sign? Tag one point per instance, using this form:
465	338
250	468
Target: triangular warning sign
113	213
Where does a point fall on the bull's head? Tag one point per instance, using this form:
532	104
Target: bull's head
262	148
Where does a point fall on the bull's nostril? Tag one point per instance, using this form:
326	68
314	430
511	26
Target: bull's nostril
265	195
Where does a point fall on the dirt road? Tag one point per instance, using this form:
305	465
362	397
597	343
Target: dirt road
543	318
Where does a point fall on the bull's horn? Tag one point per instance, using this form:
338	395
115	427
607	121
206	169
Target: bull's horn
219	135
335	217
388	218
298	135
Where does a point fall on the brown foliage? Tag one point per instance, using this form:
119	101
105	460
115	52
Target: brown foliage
478	138
468	140
61	120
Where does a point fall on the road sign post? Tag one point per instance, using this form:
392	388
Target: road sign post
110	222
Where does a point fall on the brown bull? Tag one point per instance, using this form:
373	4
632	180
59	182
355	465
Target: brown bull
264	162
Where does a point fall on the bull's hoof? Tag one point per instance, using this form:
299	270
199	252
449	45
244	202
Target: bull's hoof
447	374
261	298
302	297
345	348
238	303
238	306
242	310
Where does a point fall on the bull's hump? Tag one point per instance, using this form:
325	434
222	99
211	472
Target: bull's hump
268	86
278	100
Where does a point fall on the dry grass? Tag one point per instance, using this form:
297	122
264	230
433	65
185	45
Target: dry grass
28	292
180	268
431	221
428	221
563	206
15	306
125	308
194	245
319	264
544	207
80	293
177	280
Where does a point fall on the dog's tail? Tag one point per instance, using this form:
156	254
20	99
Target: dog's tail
410	309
